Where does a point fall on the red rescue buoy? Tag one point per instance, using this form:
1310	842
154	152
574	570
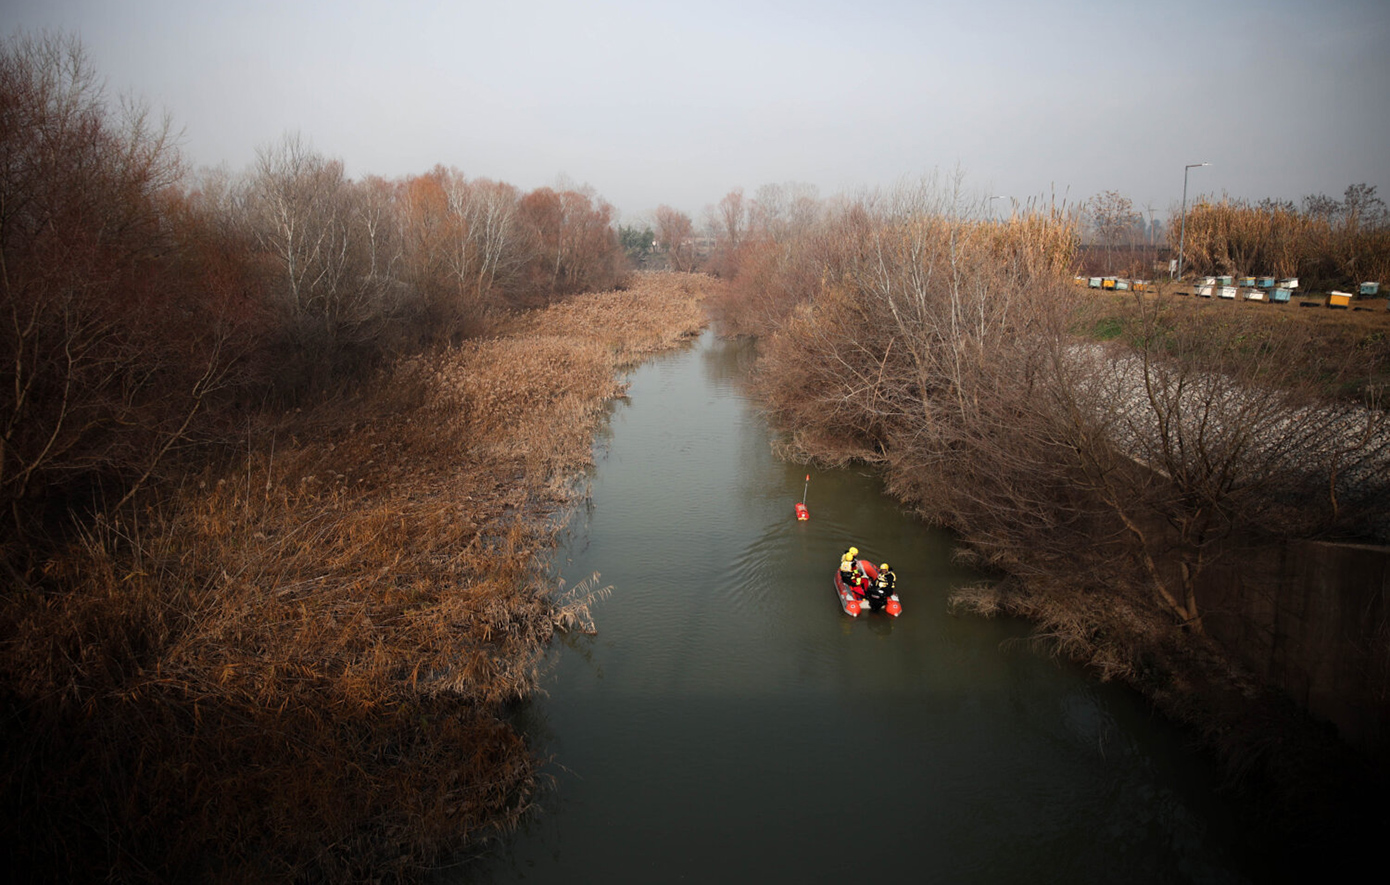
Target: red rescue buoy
802	514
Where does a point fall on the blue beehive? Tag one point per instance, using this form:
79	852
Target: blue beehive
1370	288
1266	282
1281	296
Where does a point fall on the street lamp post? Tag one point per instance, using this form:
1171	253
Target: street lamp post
1182	230
991	204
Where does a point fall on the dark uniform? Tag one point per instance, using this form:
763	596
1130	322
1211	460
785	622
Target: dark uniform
883	588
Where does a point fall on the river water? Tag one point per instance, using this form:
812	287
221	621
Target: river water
729	722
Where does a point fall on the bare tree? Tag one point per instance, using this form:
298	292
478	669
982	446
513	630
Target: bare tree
675	236
319	231
376	209
105	366
1114	218
495	231
732	218
575	246
784	211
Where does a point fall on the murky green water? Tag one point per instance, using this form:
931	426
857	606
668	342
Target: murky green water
730	723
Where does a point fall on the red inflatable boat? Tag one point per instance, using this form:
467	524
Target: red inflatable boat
852	599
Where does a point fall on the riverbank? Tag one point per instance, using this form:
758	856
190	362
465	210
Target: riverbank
1111	480
1293	777
1073	523
299	664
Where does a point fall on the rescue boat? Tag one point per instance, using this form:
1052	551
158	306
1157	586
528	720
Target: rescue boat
852	599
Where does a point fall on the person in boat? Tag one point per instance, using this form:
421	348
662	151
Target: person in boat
849	569
882	587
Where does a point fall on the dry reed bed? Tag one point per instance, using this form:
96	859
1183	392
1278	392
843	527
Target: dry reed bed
299	667
658	312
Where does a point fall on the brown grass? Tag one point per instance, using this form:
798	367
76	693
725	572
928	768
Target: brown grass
1348	351
300	666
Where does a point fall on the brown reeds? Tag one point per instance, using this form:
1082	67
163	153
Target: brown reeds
1323	249
299	666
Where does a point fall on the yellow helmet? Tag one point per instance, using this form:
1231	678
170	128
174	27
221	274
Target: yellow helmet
883	568
846	558
854	551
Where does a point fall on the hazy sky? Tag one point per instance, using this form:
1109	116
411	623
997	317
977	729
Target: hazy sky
654	102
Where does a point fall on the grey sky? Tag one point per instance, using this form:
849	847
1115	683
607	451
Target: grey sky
654	102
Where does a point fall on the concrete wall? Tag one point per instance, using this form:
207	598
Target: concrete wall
1314	619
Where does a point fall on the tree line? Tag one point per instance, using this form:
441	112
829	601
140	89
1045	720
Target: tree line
147	307
1326	243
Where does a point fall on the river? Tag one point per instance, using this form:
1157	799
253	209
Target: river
729	722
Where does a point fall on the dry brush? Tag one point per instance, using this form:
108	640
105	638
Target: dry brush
300	665
1104	481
